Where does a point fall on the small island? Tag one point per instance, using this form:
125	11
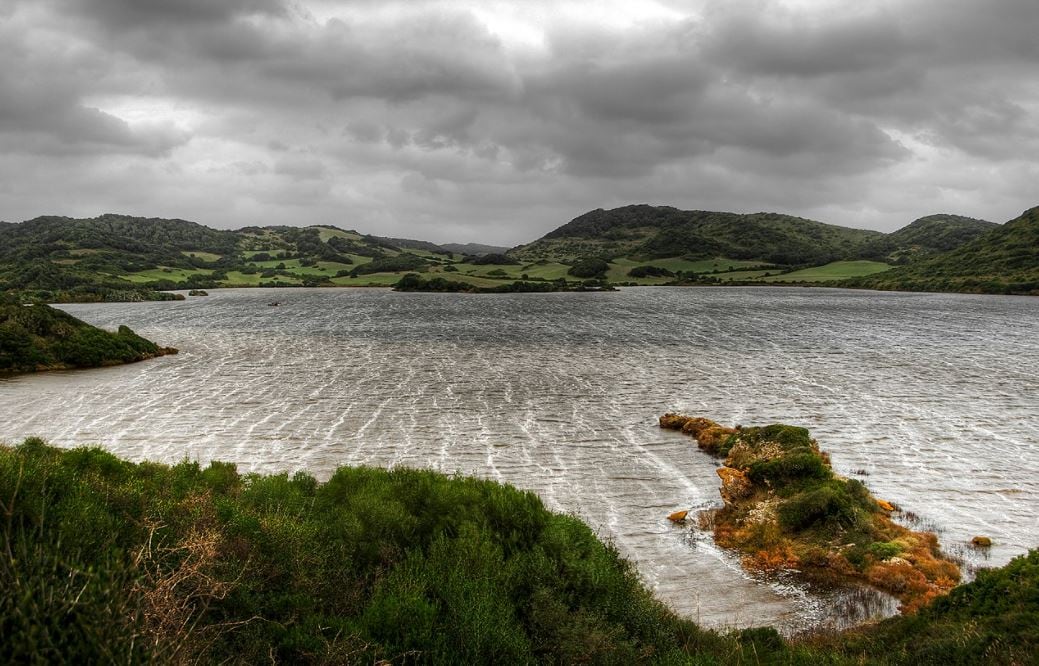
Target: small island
786	509
35	338
415	282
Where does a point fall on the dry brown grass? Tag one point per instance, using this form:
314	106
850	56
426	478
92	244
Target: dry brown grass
178	582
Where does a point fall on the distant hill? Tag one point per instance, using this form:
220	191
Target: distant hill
124	258
476	249
927	236
121	257
410	244
645	232
1003	260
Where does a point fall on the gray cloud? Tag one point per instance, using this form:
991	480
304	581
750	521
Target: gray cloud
498	121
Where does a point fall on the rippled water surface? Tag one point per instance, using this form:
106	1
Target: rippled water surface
932	400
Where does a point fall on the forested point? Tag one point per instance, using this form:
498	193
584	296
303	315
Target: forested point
39	337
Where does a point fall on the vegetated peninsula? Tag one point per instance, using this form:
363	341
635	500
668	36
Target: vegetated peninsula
415	282
38	337
785	508
124	258
108	561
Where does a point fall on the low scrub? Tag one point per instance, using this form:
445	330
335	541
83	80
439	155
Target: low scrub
786	509
108	561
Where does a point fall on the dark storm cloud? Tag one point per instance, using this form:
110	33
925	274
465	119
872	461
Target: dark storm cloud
153	14
499	121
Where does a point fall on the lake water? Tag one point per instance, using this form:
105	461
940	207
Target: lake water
932	400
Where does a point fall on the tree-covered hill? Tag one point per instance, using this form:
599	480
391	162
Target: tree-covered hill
1003	260
926	236
38	337
119	257
122	258
475	249
649	232
107	561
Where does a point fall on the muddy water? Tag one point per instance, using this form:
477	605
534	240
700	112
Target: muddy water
931	400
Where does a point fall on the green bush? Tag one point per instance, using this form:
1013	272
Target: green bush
589	268
790	467
828	504
107	561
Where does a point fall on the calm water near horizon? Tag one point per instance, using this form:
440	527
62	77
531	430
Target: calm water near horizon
931	399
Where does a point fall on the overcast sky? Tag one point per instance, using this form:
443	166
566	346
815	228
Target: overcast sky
498	121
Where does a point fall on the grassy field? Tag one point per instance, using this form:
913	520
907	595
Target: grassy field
618	271
325	234
837	270
390	279
745	275
549	271
237	279
619	267
482	275
165	273
321	268
204	256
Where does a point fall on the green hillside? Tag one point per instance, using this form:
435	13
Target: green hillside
929	235
107	561
123	258
38	337
1004	260
650	232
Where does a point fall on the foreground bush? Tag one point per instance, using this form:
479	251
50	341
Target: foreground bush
106	561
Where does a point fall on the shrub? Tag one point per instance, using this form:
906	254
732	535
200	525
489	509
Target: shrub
650	271
790	467
827	504
589	268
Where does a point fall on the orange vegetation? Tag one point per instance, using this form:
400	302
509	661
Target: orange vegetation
785	508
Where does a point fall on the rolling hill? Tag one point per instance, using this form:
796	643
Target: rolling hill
124	258
929	235
476	249
645	232
1003	260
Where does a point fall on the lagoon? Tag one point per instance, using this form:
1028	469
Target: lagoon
931	399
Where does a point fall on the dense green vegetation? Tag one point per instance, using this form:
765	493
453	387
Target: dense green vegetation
415	282
117	257
111	561
929	235
649	232
837	270
1004	260
39	337
104	561
121	258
